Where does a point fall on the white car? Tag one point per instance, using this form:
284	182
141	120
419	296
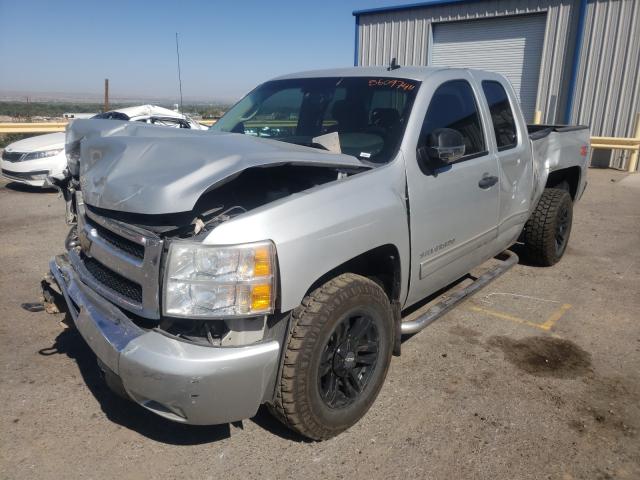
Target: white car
33	159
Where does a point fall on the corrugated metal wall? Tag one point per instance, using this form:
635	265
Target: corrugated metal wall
407	35
509	45
607	95
607	87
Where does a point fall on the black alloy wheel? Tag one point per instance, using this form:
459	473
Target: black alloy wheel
336	357
348	360
546	234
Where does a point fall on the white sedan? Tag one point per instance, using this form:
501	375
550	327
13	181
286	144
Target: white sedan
33	159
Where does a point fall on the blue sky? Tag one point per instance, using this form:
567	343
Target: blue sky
226	47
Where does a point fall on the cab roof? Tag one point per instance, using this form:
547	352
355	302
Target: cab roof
410	73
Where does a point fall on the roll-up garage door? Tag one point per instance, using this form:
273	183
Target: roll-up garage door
511	46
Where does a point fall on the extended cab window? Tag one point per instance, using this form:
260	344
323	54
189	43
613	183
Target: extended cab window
454	106
504	124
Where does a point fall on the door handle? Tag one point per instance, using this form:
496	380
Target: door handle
487	181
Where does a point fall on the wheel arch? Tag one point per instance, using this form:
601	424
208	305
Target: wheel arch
380	264
565	179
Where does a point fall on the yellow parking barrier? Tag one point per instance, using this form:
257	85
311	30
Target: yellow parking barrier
35	127
617	143
537	117
613	145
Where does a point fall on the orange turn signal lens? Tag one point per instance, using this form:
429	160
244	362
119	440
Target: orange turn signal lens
262	262
260	297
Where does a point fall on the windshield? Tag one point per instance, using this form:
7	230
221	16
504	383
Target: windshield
368	114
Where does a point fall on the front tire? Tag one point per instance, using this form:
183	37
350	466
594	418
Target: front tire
337	357
546	233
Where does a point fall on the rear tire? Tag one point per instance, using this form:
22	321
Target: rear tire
337	357
546	233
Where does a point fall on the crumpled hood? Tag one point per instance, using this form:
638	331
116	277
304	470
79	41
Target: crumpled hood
139	168
38	143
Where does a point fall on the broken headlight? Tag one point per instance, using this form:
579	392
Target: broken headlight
211	281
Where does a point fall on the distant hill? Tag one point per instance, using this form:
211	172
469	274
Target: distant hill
85	97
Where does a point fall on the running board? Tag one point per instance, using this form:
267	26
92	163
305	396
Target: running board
445	305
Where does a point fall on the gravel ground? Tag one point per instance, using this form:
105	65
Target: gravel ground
537	376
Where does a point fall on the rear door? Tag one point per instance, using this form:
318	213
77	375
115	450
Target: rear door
510	142
453	210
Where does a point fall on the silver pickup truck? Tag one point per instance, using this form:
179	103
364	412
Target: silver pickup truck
272	259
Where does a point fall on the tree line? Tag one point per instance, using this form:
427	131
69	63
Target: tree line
24	111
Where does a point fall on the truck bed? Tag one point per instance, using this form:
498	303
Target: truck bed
558	147
537	132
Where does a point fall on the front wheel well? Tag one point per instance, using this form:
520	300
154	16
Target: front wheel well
566	179
381	264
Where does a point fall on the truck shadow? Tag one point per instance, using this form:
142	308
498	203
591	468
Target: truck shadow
268	422
518	249
132	416
126	413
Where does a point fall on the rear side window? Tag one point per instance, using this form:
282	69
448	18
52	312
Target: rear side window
504	124
453	105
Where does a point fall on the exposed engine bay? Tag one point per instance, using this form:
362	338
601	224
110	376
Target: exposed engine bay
132	191
246	191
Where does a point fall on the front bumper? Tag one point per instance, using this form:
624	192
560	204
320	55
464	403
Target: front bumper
35	179
175	379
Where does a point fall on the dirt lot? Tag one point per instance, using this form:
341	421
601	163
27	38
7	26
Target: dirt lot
537	376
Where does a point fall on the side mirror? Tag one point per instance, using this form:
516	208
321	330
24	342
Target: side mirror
442	147
445	146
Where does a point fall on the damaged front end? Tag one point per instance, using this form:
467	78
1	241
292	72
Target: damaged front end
132	204
176	379
191	331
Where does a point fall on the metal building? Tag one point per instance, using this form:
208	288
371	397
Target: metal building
575	61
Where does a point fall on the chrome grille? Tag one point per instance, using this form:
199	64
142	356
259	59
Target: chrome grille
112	280
121	262
121	243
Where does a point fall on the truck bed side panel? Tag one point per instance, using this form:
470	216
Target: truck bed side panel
557	148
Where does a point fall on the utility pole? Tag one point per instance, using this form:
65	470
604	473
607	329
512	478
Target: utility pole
106	94
179	74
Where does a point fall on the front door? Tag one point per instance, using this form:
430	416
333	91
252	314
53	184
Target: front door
453	208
